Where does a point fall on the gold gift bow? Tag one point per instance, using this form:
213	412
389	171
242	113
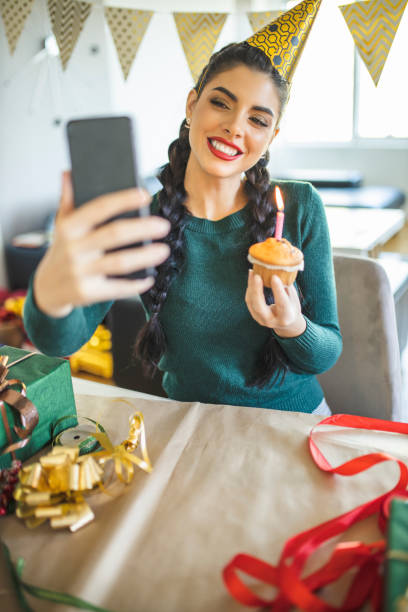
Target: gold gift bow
18	400
53	488
121	454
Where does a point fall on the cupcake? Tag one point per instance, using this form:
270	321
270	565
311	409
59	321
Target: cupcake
276	257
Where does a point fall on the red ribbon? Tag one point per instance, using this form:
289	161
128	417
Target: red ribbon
366	558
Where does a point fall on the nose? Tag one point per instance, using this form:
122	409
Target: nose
234	125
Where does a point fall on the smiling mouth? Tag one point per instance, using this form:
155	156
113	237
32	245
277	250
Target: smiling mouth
222	150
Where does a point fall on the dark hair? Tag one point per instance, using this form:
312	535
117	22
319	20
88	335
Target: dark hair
151	341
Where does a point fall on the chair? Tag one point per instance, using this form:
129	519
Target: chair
366	380
125	319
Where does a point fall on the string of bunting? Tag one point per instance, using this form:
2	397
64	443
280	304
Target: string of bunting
373	25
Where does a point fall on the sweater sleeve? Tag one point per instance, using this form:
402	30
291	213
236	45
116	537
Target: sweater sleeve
320	345
63	336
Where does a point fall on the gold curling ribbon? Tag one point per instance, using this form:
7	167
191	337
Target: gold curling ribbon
122	453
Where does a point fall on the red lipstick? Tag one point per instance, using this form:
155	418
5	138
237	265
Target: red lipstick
221	154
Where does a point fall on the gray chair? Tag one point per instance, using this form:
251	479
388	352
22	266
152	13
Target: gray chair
366	380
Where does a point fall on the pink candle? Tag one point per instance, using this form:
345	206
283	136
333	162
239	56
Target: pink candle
280	215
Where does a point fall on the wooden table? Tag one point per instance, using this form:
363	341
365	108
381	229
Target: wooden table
360	231
226	479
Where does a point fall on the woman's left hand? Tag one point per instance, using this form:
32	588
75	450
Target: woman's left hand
284	316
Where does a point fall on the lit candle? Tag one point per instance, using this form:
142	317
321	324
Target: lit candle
280	215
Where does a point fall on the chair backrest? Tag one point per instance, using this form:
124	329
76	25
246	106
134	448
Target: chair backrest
366	380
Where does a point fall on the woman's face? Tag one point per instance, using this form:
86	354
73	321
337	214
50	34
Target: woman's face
233	121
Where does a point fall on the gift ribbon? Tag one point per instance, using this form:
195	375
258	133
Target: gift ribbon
366	558
19	401
121	454
398	555
45	594
87	445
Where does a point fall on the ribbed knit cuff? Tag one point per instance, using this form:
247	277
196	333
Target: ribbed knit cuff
315	350
60	336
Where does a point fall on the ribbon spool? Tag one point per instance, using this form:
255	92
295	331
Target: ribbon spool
80	436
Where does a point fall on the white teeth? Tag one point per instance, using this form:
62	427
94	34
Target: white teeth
220	146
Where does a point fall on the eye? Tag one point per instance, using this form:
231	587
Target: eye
259	121
218	102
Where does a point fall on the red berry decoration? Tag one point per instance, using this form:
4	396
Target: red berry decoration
8	481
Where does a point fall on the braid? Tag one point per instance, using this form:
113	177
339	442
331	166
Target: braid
151	341
271	362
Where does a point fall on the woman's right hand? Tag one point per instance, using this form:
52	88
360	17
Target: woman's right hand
74	271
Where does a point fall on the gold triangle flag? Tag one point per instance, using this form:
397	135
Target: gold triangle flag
283	40
127	26
259	20
373	25
14	13
67	20
198	34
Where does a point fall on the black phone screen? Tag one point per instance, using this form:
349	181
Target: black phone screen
103	160
102	156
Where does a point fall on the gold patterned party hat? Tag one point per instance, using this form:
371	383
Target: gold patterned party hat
283	39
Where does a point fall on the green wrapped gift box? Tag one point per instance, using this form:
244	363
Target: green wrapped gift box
49	387
396	582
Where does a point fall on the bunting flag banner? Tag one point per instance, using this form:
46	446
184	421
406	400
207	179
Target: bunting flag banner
198	34
67	20
14	14
127	26
283	40
259	20
373	25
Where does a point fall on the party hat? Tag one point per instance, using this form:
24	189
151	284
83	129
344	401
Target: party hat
283	39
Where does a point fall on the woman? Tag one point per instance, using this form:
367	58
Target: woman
210	328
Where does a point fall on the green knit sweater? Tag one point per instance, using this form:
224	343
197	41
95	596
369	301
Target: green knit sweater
212	340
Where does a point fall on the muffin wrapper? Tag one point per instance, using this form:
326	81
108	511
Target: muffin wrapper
287	278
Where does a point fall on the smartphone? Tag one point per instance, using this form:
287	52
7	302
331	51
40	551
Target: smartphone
103	160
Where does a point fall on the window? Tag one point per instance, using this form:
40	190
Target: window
333	96
382	110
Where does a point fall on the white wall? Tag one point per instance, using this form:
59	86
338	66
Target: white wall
32	96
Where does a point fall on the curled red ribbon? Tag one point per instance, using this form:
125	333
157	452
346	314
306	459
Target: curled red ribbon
366	558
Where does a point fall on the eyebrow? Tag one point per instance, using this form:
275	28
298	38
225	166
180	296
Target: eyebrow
234	98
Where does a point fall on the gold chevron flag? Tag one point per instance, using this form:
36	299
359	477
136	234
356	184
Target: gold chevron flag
67	20
198	34
259	20
283	39
14	13
373	25
127	26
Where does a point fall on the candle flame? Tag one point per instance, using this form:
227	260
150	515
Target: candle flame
279	199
